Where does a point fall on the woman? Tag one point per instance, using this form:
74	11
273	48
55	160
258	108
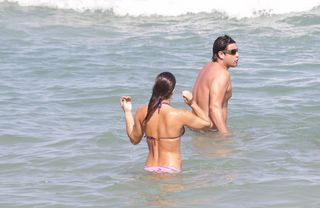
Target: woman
162	124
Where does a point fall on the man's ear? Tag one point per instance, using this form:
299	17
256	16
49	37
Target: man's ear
221	55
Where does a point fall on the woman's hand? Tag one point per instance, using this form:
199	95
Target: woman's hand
126	104
187	97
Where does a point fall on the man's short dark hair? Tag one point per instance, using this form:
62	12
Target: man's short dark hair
220	44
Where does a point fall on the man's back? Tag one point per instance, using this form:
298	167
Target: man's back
201	88
207	90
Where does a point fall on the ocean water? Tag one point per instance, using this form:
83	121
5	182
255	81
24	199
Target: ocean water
65	64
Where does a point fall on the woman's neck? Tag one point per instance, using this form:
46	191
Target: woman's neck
167	101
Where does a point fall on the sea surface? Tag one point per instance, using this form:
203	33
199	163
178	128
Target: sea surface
63	68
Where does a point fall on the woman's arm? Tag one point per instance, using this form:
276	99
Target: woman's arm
133	124
199	119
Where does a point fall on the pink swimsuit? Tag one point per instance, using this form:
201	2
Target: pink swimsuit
162	169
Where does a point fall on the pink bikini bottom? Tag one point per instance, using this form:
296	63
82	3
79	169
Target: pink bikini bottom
162	169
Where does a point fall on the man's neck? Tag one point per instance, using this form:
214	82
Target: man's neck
222	65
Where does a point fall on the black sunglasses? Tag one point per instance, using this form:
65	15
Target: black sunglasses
231	52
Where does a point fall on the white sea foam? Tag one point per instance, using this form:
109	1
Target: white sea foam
233	8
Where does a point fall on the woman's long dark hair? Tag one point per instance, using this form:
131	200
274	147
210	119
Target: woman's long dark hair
162	89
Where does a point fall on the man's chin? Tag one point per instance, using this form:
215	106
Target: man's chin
235	64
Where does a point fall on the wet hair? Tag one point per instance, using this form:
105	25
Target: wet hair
220	44
163	87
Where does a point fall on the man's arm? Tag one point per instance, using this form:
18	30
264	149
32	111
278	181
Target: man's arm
225	112
216	101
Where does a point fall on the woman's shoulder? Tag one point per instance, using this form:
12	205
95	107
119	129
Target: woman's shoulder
141	112
142	109
177	112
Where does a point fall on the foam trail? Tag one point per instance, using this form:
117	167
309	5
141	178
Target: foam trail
234	8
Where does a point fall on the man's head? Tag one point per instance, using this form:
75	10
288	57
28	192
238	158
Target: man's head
225	49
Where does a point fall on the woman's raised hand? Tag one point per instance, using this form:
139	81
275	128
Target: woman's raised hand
126	104
187	97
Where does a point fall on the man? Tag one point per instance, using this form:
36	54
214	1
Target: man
212	89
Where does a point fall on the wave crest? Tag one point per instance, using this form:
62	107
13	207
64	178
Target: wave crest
234	8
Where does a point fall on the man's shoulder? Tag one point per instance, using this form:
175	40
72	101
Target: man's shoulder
209	65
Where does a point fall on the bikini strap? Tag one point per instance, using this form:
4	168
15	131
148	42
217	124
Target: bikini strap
153	138
160	105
